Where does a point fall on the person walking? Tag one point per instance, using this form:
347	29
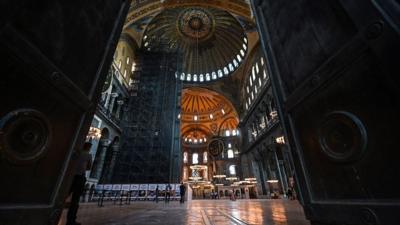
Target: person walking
78	184
182	190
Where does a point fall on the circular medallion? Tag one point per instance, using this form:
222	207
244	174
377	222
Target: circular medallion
343	137
24	136
195	23
216	147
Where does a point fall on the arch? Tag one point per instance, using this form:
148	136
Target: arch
140	11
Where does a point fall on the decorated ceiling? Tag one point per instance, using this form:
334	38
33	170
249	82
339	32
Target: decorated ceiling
210	43
205	114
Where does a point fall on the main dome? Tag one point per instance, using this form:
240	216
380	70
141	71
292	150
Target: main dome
210	43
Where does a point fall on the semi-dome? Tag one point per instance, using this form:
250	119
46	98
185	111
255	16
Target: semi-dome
205	114
210	42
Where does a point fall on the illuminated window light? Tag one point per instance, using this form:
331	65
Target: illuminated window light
265	74
226	71
127	60
145	37
245	40
214	75
231	68
179	116
223	111
195	78
239	57
262	61
133	67
231	156
183	76
234	132
248	89
195	118
189	77
146	44
235	63
227	133
211	116
220	74
201	78
207	77
229	145
242	52
232	169
244	46
195	158
259	82
257	69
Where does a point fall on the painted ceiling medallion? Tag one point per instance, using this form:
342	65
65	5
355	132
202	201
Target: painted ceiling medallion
196	24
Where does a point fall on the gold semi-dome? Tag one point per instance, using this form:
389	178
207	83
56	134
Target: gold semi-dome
205	114
210	43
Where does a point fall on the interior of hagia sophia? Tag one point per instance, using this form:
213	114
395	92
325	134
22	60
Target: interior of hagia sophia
271	103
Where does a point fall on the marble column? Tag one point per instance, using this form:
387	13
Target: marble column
111	106
120	103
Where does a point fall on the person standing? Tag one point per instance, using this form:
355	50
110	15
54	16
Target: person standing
78	184
157	193
182	190
168	193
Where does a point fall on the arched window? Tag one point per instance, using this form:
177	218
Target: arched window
133	67
185	157
183	76
242	52
220	73
195	78
120	64
235	63
201	77
127	60
189	77
257	69
239	57
226	71
230	154
205	158
195	158
214	75
232	170
207	77
231	67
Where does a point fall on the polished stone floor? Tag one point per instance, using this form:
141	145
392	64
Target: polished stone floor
197	212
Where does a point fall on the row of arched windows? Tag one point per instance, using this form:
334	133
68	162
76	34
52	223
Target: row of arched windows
256	80
195	158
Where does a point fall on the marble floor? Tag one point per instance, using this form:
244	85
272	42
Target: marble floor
196	212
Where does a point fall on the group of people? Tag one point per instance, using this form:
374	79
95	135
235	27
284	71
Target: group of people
168	190
84	163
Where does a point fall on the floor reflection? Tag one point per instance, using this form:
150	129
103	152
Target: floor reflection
200	212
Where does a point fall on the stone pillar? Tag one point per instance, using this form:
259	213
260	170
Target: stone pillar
111	106
103	146
279	171
120	103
